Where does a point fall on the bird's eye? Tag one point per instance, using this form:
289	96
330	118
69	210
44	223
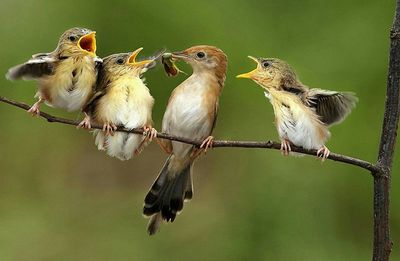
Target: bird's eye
72	38
200	55
265	64
120	61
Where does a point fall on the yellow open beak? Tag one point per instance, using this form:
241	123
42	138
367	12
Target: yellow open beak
249	75
88	43
132	59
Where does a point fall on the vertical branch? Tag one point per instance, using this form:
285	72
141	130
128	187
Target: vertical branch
382	242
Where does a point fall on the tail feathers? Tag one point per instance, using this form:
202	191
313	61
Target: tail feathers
154	224
167	195
121	145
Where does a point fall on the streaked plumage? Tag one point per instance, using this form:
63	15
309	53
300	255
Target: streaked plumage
121	99
67	75
302	115
191	112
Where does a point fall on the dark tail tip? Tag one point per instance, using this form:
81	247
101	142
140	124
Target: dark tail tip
167	195
154	224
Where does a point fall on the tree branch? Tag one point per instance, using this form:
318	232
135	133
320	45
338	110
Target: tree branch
382	242
216	144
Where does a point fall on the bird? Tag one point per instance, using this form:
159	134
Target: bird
191	113
302	115
121	98
67	75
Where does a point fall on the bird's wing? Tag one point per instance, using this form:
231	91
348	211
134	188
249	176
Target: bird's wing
99	90
215	114
332	107
38	66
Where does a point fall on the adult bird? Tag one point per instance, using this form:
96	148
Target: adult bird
302	115
67	75
121	98
191	113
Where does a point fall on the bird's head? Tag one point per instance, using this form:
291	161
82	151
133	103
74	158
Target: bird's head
272	73
204	58
125	63
77	41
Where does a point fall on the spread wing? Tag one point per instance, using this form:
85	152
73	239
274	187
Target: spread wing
332	107
39	65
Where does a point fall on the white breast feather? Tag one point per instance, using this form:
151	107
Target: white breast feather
298	126
186	116
60	86
129	104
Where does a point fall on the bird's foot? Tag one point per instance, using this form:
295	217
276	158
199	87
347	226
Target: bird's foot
207	143
109	128
85	123
285	147
35	109
150	133
323	153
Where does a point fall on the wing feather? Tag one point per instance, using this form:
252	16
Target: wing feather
332	107
40	65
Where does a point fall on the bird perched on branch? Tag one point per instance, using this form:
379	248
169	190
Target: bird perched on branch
121	99
67	75
191	113
302	115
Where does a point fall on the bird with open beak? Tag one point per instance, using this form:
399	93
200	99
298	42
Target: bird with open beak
67	75
191	113
121	98
302	115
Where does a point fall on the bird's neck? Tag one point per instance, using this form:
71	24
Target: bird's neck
209	77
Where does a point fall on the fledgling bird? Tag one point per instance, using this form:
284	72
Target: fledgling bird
121	99
191	112
67	75
302	115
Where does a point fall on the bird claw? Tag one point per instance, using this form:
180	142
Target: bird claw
85	123
149	132
207	143
35	109
285	147
109	128
323	153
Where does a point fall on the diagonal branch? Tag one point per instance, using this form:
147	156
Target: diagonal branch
217	143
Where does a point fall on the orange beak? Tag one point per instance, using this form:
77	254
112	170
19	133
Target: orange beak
250	74
132	59
88	43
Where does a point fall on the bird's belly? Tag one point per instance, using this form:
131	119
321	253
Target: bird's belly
186	117
123	107
301	129
70	87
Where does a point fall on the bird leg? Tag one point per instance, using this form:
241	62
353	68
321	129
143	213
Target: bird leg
149	132
109	128
35	109
285	147
85	123
323	153
207	143
166	147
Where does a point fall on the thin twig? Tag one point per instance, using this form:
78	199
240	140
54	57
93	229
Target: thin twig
216	144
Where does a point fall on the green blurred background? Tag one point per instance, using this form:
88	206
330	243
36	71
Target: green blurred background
61	199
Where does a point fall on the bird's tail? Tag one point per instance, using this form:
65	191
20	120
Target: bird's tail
121	145
169	191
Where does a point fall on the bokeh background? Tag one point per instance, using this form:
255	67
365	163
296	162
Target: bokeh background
61	199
